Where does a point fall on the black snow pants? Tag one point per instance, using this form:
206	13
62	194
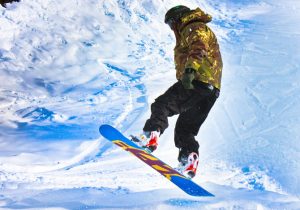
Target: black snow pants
192	106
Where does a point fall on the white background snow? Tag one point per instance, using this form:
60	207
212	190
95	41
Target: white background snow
67	67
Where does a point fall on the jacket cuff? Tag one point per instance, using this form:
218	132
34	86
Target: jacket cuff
192	64
189	70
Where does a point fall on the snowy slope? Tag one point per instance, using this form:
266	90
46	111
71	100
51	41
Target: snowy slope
68	66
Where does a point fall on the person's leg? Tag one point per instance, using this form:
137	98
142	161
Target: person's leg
166	105
189	123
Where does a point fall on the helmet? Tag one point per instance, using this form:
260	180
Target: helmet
175	13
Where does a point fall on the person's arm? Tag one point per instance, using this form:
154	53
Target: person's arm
198	42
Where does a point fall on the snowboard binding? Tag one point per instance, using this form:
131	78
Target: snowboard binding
148	140
188	165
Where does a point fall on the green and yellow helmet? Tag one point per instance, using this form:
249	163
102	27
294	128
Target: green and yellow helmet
175	13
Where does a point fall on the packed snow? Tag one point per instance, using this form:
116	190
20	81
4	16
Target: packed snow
66	67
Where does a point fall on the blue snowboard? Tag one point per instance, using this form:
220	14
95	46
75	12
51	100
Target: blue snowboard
185	184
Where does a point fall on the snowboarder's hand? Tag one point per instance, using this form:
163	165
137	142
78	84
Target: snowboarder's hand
188	78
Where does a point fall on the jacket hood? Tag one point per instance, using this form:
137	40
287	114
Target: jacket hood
196	15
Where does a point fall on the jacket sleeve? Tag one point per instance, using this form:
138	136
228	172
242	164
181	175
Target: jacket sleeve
198	44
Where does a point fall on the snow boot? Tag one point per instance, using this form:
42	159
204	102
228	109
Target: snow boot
147	140
188	164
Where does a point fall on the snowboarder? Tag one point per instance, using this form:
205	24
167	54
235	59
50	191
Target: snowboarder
198	66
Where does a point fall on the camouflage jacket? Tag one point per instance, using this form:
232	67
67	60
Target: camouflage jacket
197	47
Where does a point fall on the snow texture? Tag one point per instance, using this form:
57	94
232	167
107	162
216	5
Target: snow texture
66	67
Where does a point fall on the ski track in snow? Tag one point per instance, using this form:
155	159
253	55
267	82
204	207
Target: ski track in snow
60	82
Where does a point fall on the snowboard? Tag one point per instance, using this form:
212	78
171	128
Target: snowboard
184	183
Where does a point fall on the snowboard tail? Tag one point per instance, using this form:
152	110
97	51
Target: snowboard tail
185	184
